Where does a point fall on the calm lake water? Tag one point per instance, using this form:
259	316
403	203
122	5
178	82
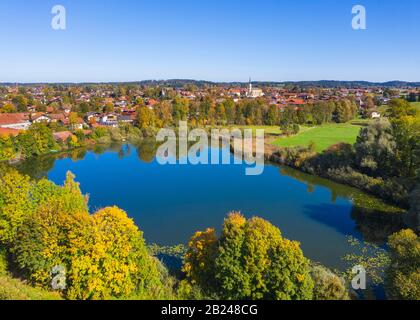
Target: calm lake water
169	203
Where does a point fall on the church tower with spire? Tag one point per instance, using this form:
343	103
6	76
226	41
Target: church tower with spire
254	93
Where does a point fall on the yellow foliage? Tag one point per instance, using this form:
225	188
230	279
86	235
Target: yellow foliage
200	256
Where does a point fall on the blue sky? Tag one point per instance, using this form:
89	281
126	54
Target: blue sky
219	40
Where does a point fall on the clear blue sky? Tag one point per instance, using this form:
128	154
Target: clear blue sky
220	40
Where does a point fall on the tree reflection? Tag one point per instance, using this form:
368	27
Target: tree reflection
375	220
376	226
146	150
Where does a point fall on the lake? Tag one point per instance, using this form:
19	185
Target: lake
169	203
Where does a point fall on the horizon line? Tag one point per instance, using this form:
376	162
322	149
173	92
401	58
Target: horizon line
201	80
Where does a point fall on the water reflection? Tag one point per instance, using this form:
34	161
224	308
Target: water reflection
375	220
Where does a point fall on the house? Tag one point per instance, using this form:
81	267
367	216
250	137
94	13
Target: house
58	117
295	102
19	121
93	117
62	136
235	92
306	96
152	102
40	118
375	115
109	119
290	95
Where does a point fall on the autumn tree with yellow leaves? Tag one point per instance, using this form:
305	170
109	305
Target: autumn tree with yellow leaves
44	226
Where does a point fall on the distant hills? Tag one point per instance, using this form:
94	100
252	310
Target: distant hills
320	83
178	83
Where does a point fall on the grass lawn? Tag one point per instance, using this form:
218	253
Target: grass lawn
324	136
417	105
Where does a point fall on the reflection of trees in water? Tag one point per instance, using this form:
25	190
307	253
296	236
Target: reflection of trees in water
376	226
125	151
374	219
36	168
99	149
77	154
337	190
146	150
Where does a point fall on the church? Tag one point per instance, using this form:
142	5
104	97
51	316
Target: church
254	92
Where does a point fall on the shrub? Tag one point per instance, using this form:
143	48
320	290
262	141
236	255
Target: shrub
327	285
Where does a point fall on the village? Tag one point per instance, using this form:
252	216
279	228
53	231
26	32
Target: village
67	108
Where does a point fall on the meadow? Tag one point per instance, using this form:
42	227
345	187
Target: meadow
323	136
417	105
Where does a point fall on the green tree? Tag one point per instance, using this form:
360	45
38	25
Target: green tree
251	260
414	213
36	141
406	132
403	275
287	118
8	108
220	113
180	109
399	108
164	113
21	102
7	149
375	148
15	204
345	110
146	118
230	109
273	116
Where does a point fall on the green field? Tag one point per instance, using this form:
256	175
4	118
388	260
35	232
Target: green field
323	136
416	104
